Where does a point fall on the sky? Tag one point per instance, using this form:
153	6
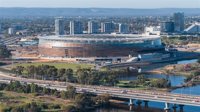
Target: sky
102	3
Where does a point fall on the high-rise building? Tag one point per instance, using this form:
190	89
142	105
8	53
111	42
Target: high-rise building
179	22
123	28
17	26
167	27
76	27
59	26
107	27
93	27
11	31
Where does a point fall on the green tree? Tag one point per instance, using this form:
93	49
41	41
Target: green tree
45	90
28	88
71	92
82	75
17	109
19	70
141	79
31	70
134	83
82	101
34	88
61	72
57	94
102	99
64	94
69	75
33	107
160	83
198	60
4	52
70	108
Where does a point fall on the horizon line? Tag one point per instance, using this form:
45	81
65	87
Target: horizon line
103	7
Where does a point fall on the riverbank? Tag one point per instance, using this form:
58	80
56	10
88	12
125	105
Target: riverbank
177	69
188	70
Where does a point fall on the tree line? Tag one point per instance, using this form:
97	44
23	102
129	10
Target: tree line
81	76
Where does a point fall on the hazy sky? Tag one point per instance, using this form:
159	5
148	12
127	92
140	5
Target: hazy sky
103	3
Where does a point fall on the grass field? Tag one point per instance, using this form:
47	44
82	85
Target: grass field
58	65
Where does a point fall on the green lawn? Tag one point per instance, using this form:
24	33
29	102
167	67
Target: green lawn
58	65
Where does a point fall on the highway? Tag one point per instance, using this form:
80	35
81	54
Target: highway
145	95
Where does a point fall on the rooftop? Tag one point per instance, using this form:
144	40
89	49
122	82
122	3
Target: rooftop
101	36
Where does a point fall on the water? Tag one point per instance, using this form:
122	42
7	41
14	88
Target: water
175	80
187	61
192	91
111	110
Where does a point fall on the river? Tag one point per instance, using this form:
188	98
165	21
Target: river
175	80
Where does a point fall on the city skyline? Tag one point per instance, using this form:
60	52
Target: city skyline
102	3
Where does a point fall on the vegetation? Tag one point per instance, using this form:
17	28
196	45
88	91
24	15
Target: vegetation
81	76
160	83
57	65
102	99
198	61
143	82
86	76
45	72
180	69
94	77
4	52
29	107
183	40
194	77
28	97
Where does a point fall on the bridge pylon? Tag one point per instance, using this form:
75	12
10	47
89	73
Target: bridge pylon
139	102
146	104
174	108
131	104
181	108
167	109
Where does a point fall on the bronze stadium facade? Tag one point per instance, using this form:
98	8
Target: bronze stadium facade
99	45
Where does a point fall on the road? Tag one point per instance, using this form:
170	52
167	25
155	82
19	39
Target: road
166	97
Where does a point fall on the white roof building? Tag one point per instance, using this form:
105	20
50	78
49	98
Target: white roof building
194	28
152	30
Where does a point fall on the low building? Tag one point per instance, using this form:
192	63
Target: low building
152	30
194	28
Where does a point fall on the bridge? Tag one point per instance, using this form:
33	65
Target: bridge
131	94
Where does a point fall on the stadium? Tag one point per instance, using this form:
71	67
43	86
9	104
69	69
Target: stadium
97	45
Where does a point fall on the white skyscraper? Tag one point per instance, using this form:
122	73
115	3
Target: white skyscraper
123	28
179	22
59	26
10	31
76	27
93	27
